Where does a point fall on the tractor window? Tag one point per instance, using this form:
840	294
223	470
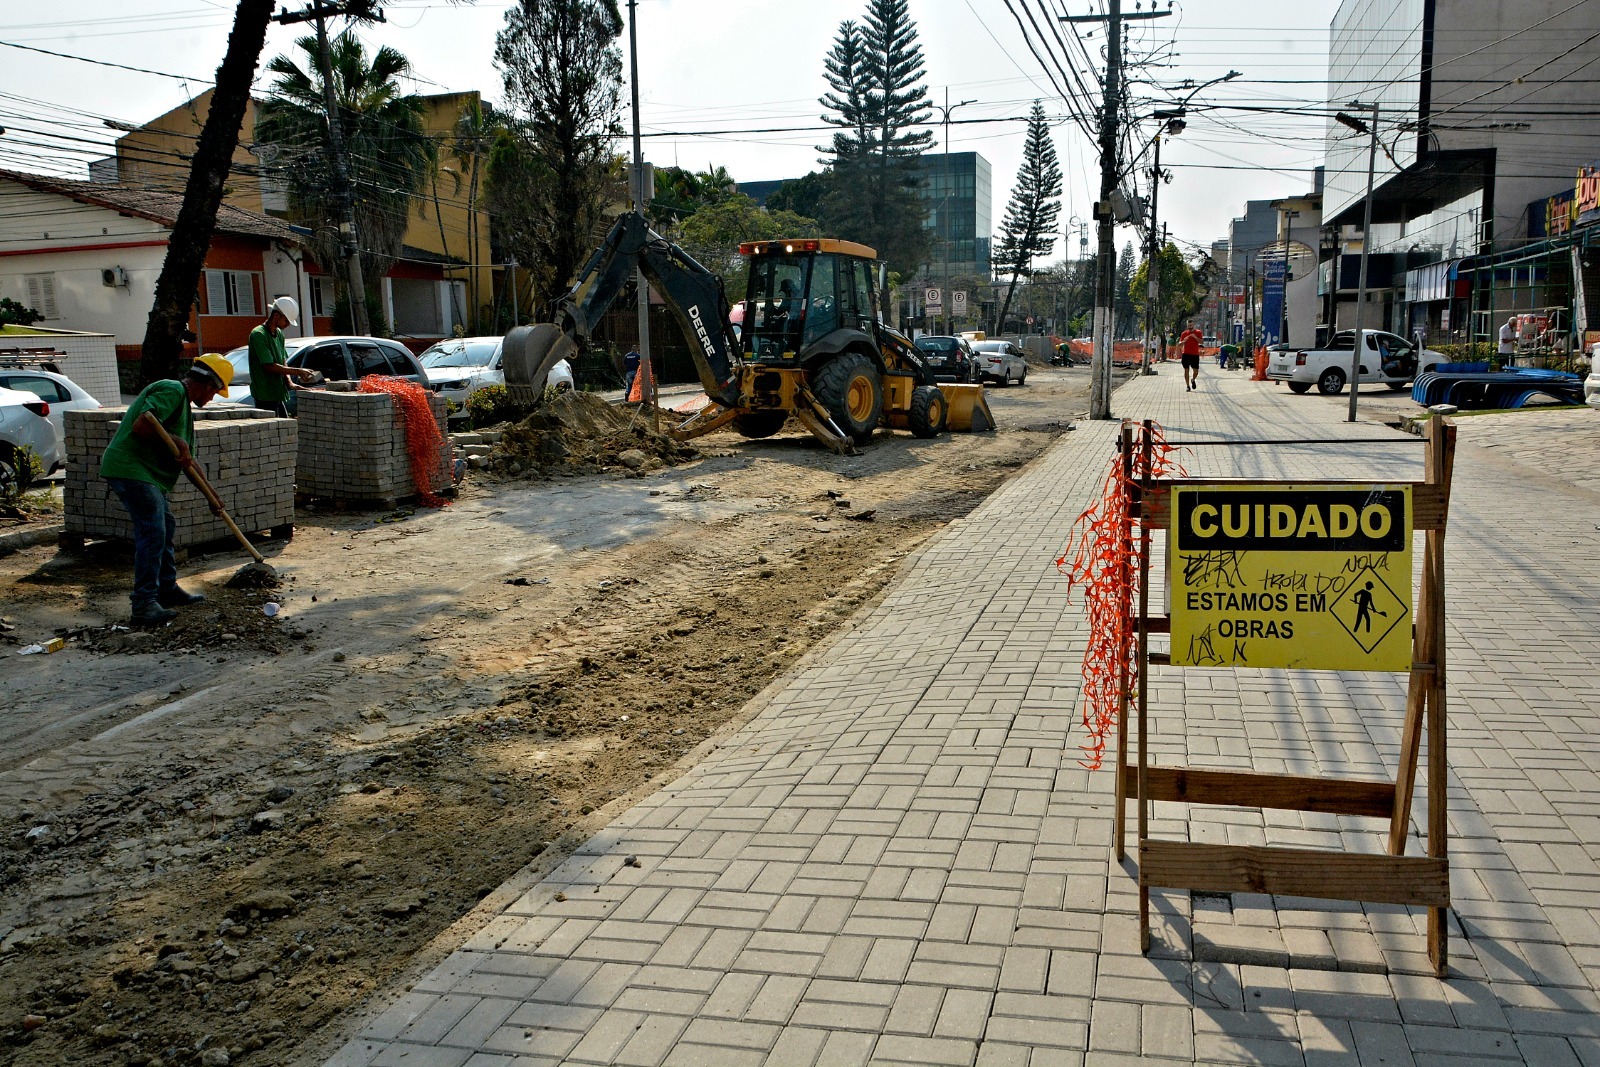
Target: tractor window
856	291
822	310
775	296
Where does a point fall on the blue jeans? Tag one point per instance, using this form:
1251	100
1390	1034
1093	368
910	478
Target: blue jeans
155	569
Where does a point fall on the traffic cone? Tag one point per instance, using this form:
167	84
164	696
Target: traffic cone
642	384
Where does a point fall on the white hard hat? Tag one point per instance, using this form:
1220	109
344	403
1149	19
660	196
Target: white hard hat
285	306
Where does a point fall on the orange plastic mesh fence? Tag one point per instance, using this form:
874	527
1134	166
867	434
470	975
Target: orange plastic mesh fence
1105	555
425	446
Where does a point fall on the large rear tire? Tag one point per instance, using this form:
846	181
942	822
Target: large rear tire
759	424
849	387
928	411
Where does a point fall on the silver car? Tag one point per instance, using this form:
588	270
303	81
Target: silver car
1000	362
337	359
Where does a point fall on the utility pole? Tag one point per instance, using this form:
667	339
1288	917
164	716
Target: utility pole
641	201
1171	123
1366	242
944	207
1105	291
349	241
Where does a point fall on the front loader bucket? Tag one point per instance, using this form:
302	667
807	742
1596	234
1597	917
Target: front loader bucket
969	409
528	353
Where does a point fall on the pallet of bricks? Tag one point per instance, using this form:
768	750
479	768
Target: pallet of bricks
247	455
352	450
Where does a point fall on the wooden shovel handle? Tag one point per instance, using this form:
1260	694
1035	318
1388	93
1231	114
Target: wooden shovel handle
197	476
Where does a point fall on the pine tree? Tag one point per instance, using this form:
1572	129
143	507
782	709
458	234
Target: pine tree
1029	230
877	102
1123	321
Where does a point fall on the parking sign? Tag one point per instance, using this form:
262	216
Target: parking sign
958	301
933	297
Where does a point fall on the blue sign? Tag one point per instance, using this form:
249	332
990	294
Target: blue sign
1272	302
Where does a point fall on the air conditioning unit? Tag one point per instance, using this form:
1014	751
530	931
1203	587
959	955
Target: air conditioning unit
114	277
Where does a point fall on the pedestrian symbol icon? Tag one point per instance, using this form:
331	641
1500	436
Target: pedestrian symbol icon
1368	609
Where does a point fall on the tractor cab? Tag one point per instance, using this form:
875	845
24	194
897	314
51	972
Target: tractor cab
801	295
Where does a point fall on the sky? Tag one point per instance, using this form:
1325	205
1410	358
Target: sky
736	84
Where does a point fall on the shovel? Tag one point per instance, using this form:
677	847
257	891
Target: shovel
257	573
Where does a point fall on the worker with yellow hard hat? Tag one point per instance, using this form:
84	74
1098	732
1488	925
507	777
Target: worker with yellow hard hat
142	470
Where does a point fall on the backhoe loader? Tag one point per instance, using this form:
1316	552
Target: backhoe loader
810	346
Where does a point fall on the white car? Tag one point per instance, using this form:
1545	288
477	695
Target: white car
61	393
1388	359
337	359
25	423
1591	384
999	362
461	366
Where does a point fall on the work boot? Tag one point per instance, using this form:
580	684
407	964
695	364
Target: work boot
179	598
152	615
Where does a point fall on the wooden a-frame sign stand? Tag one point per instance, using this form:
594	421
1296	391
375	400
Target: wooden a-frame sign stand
1390	878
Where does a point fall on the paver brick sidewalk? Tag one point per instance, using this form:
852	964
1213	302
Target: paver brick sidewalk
900	860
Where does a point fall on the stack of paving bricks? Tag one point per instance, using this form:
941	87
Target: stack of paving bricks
353	449
247	456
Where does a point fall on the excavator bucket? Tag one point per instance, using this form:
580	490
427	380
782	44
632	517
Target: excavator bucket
527	354
969	411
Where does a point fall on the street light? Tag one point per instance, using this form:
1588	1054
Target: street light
1172	124
1366	242
944	208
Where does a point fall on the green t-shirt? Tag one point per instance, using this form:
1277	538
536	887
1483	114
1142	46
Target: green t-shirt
267	348
129	456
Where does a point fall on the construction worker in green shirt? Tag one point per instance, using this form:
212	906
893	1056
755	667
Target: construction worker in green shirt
270	372
142	471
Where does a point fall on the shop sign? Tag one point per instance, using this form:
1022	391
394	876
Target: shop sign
1586	194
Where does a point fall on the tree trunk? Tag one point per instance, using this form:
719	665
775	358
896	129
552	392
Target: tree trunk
213	158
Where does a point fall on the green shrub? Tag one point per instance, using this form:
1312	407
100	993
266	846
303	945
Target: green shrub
19	468
490	405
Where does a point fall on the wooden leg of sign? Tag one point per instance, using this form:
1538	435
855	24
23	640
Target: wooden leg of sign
1119	826
1142	678
1441	466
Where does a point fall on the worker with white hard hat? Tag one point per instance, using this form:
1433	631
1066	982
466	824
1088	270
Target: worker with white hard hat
271	377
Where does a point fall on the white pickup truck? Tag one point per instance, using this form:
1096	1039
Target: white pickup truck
1388	359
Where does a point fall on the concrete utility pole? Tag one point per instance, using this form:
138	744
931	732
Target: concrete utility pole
1171	123
1366	243
641	201
1105	292
349	241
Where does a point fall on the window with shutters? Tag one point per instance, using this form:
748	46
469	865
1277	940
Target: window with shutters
42	294
233	292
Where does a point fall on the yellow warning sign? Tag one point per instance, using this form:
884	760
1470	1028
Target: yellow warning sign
1283	575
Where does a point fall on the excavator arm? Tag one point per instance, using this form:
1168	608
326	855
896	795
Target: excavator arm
694	294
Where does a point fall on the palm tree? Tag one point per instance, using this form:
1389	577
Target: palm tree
471	140
390	156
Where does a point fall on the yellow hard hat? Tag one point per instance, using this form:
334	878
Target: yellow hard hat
216	368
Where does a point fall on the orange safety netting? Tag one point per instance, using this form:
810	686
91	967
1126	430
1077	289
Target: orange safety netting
425	445
1105	549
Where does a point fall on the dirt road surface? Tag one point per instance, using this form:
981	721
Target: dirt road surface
221	837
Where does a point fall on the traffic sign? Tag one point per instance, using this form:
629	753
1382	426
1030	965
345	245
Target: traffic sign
958	301
933	297
1281	575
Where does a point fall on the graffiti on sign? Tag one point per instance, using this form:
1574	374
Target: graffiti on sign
1277	575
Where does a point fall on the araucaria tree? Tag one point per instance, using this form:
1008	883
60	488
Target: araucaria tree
562	73
1029	230
877	103
389	156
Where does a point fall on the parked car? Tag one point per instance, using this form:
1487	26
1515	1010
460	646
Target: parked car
1388	359
25	423
461	366
337	359
61	393
1000	362
947	357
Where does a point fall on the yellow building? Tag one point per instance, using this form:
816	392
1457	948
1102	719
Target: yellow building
444	229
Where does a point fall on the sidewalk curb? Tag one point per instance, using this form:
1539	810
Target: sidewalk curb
16	542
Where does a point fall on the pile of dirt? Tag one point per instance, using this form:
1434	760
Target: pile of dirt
579	433
229	620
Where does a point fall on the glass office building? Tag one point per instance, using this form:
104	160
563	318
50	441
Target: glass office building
957	191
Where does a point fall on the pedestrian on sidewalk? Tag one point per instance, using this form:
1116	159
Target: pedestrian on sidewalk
1189	355
630	370
142	472
1507	349
271	377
